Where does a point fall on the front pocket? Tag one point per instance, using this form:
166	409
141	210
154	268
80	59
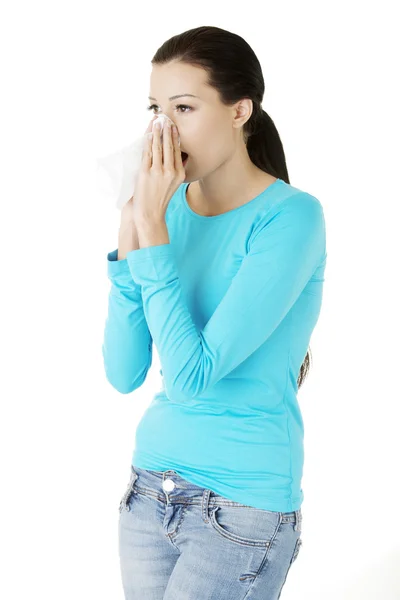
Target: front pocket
247	526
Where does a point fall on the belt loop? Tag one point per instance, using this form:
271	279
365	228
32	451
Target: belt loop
297	526
130	489
134	475
204	504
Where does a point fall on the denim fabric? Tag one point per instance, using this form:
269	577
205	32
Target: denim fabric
180	541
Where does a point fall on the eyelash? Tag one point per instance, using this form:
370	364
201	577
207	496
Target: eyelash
177	106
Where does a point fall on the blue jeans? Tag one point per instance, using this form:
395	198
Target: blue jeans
179	541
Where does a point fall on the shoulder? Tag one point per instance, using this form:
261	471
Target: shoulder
295	220
293	207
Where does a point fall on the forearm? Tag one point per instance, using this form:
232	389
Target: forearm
127	239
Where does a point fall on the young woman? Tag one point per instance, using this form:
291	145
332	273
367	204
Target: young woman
220	262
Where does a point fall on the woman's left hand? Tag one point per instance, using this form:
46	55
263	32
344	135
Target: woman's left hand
160	175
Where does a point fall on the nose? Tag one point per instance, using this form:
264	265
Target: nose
165	116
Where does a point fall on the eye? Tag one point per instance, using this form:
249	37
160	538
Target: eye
184	106
153	106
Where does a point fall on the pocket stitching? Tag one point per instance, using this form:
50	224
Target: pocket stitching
232	536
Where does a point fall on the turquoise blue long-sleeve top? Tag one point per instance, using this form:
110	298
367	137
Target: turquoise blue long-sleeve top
230	304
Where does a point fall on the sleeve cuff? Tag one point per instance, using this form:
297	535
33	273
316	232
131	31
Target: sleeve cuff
152	264
115	266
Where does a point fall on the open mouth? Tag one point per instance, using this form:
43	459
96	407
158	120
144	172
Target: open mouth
185	157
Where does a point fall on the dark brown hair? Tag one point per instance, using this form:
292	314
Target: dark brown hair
235	72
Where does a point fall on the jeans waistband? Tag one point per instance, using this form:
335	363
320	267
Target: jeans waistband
183	491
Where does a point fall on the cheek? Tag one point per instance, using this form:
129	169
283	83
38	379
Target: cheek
205	140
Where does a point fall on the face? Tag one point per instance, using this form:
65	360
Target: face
204	123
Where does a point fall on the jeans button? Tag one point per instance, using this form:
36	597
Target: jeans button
168	485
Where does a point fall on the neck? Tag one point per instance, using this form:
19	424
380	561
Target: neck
235	182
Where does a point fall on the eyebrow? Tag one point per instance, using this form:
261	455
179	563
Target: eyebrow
177	96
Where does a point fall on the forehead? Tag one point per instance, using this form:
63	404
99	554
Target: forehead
177	78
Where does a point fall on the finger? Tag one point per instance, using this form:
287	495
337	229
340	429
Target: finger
168	146
157	148
177	149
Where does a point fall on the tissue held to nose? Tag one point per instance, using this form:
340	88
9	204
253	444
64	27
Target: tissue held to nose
161	118
117	172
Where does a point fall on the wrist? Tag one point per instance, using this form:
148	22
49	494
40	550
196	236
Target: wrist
152	232
127	220
148	221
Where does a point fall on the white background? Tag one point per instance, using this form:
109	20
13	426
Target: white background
75	81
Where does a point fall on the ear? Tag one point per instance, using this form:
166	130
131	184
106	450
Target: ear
242	112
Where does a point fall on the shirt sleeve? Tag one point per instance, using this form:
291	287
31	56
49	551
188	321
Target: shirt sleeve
284	251
127	343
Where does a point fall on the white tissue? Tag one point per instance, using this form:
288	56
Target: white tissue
117	172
